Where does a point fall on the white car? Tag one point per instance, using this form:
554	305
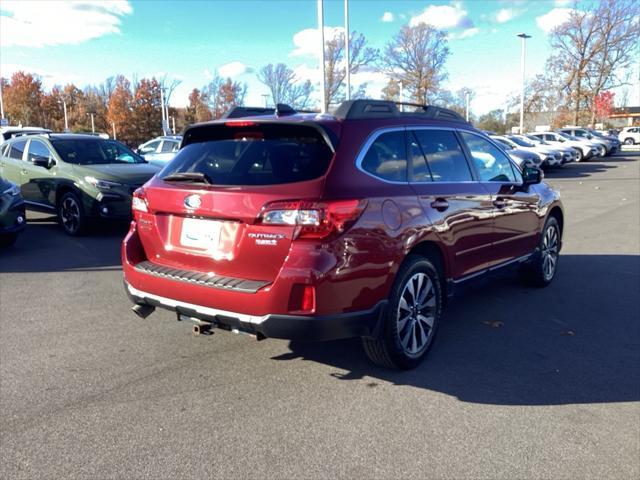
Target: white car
629	135
584	148
569	154
584	134
160	150
550	157
9	132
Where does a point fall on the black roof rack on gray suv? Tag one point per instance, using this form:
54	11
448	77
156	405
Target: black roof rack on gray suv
360	109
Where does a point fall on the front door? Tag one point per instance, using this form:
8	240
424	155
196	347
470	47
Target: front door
516	221
38	184
458	206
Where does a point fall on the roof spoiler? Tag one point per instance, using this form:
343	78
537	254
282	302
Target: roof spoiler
360	109
280	110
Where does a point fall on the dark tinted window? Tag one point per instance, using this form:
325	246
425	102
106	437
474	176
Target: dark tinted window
94	151
419	170
444	155
386	157
258	154
492	164
37	149
17	149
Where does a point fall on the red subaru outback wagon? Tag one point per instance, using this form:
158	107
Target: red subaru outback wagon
317	227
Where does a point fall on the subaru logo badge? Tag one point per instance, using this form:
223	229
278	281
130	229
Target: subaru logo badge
193	201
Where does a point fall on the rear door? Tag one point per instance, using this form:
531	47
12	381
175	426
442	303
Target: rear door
456	204
13	163
516	221
214	225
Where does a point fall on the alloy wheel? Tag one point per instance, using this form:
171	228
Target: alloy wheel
550	251
70	214
416	313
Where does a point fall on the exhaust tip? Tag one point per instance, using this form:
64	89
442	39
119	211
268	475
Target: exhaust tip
143	310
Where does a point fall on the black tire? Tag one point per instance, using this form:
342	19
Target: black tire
541	269
405	344
8	240
71	214
629	141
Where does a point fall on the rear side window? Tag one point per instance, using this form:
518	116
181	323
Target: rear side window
444	155
37	149
17	149
386	158
491	163
254	154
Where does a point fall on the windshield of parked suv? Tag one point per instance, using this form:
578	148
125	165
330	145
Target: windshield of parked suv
250	154
569	137
94	151
521	142
536	140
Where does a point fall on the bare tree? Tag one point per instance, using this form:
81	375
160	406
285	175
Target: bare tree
416	57
284	85
360	55
591	49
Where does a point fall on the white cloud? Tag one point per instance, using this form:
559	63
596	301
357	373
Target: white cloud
553	18
233	69
53	22
443	16
505	14
207	74
387	17
306	42
48	78
470	32
563	3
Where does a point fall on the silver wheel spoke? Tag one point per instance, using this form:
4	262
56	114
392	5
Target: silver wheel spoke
426	320
415	316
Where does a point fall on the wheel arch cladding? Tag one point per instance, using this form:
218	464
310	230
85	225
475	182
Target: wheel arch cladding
556	212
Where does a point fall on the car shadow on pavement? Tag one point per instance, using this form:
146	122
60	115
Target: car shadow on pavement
44	247
577	341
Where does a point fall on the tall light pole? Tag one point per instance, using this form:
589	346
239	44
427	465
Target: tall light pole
93	125
1	102
523	37
466	97
164	121
346	47
265	96
66	122
323	92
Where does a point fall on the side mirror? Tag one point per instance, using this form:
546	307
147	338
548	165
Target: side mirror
532	175
44	162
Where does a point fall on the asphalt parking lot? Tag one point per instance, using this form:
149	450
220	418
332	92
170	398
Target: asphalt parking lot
521	383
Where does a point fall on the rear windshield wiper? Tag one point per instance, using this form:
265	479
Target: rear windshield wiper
194	177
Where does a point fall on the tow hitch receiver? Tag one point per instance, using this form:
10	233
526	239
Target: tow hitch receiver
199	327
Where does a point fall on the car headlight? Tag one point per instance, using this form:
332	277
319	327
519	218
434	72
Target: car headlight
101	184
13	190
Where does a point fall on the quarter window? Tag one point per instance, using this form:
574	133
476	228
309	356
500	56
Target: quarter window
444	155
491	163
386	157
17	149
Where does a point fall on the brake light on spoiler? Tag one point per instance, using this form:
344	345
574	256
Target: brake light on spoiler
314	220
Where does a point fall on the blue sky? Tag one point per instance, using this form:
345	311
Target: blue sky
87	41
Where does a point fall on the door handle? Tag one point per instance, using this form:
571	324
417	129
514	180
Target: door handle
440	204
500	202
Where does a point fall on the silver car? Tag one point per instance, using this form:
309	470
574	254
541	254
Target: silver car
160	150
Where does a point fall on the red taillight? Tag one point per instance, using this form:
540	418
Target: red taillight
313	220
139	201
302	299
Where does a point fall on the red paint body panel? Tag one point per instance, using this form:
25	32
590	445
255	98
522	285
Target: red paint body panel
352	271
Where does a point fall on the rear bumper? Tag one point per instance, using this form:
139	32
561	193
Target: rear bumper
12	216
291	327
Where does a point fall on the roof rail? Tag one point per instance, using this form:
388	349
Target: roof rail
280	110
358	109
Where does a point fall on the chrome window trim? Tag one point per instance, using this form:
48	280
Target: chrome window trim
373	136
